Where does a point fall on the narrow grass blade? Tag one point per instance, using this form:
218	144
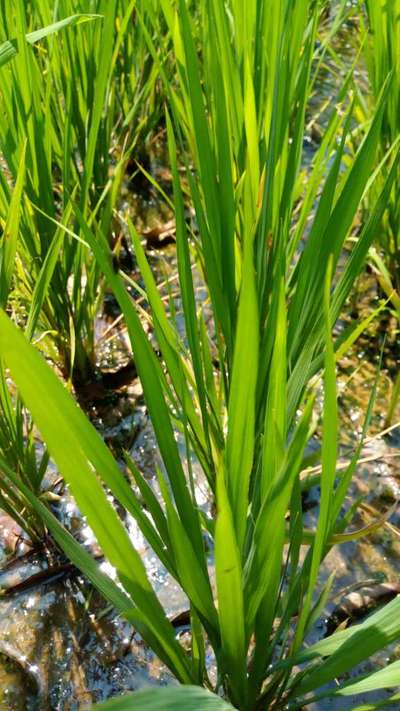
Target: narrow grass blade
9	49
188	698
230	596
9	240
386	678
241	410
347	648
329	458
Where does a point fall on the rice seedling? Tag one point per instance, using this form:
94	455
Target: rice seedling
19	284
26	145
240	390
65	104
380	33
20	454
380	27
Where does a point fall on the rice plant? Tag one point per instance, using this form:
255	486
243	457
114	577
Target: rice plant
380	32
20	454
382	52
65	114
239	386
239	115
